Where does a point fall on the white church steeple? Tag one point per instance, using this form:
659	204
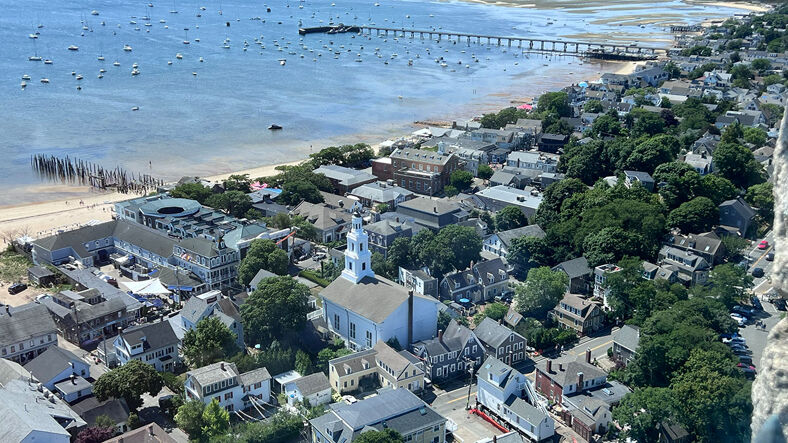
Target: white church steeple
358	258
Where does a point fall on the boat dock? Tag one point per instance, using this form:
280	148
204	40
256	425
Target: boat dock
596	50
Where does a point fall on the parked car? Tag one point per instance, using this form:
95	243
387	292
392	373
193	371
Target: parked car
745	359
740	350
756	303
780	304
757	272
739	319
749	373
763	244
16	288
743	365
770	256
732	340
742	310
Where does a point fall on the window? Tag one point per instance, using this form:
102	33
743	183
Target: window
228	395
363	266
352	330
369	339
361	247
440	372
336	321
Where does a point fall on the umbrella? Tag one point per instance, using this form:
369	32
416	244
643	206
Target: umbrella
583	84
527	107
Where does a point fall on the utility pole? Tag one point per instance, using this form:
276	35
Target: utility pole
470	384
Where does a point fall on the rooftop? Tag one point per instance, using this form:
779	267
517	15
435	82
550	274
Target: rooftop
374	298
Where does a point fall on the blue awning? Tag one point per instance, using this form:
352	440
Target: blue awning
180	288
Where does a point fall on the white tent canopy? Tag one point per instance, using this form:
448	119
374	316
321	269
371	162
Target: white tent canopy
147	287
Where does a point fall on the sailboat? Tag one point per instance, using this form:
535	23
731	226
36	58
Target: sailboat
35	57
186	39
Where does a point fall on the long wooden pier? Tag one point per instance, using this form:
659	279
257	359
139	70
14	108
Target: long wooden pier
599	50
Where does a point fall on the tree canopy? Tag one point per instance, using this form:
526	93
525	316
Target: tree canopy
192	191
695	216
510	217
128	382
262	254
235	203
277	306
542	290
210	341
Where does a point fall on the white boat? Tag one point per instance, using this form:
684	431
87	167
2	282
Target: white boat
194	73
23	84
101	76
44	80
169	62
101	58
201	60
135	108
226	46
25	77
186	42
197	40
79	77
117	63
32	36
135	66
135	72
162	21
73	48
102	70
132	22
94	12
47	62
179	56
127	48
73	73
282	62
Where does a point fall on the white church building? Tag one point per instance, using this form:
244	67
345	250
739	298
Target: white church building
364	309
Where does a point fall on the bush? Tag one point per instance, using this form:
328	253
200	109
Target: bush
314	278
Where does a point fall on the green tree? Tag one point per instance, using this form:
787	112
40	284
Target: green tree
454	246
727	283
104	421
237	182
382	208
695	216
384	436
736	163
461	179
262	254
279	305
755	136
679	182
502	118
484	172
450	190
646	123
732	133
210	341
717	189
303	364
645	219
611	244
542	290
555	103
496	311
713	401
653	152
192	191
510	217
761	196
128	382
235	203
294	193
642	410
215	420
605	126
283	427
527	252
553	197
381	266
593	106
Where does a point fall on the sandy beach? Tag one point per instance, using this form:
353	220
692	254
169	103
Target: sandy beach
83	205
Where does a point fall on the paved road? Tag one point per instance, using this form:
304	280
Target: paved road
757	258
451	404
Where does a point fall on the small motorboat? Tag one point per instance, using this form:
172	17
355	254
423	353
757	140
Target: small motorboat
79	77
73	48
35	58
179	56
282	62
135	108
47	62
94	12
274	127
23	84
44	80
116	63
25	77
127	48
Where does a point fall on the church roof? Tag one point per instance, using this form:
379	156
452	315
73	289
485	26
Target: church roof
374	298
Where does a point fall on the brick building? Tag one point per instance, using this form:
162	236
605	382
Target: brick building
421	171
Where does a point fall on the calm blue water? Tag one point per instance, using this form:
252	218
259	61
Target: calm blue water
216	120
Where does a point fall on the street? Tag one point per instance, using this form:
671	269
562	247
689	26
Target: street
452	404
756	258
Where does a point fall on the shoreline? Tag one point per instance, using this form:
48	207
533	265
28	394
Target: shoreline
43	218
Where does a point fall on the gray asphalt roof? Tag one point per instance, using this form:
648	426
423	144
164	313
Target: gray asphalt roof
91	408
255	376
68	387
200	246
25	322
492	333
385	406
372	298
312	383
387	227
423	204
29	411
571	368
345	176
506	237
51	362
11	370
157	335
574	268
628	337
77	238
354	361
522	408
213	373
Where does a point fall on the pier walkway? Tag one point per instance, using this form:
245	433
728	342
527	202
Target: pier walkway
598	50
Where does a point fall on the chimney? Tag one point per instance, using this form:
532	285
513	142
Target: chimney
435	209
410	318
8	310
579	381
549	365
150	430
560	367
222	365
73	379
495	439
588	355
440	335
